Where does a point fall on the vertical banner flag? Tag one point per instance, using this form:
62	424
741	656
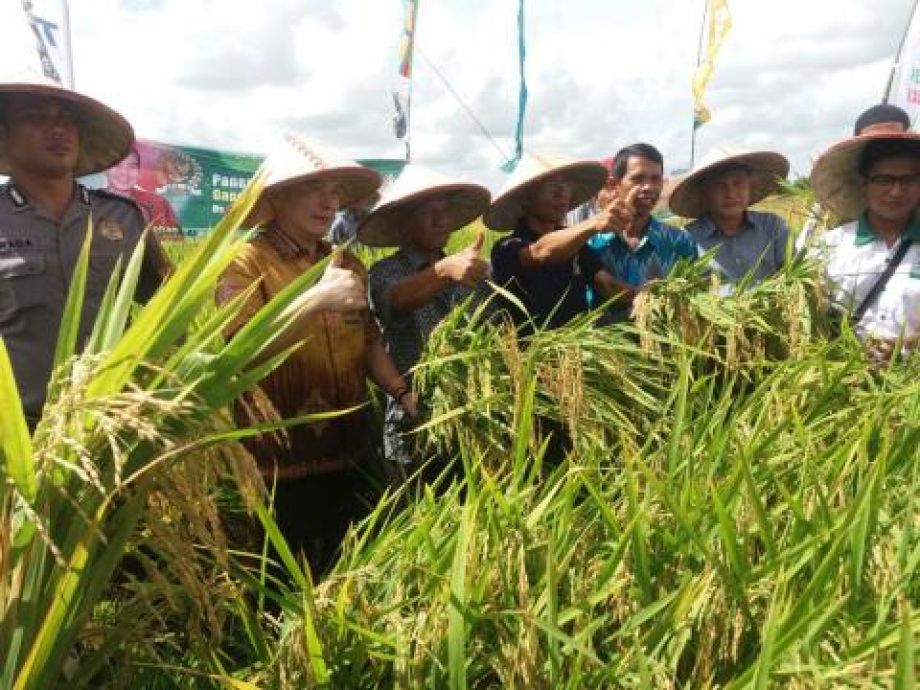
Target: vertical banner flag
402	94
717	25
50	24
511	163
904	88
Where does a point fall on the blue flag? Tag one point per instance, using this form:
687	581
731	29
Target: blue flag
512	162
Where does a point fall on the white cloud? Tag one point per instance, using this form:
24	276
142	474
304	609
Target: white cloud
792	76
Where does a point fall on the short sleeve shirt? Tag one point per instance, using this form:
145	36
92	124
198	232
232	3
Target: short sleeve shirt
405	333
855	257
553	294
653	258
327	373
38	255
758	248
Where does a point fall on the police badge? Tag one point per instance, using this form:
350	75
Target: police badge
111	230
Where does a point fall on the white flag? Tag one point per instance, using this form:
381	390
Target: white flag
51	27
905	81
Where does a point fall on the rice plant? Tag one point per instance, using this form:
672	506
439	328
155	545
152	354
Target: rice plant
736	507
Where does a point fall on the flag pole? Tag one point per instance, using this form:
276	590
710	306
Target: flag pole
699	61
411	59
897	56
67	37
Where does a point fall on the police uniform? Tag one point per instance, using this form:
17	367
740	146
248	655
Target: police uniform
38	255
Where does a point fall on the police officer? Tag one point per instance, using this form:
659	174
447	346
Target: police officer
49	136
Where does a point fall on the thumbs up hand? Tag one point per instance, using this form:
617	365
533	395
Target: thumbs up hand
619	213
339	289
466	266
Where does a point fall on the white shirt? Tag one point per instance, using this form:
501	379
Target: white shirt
855	258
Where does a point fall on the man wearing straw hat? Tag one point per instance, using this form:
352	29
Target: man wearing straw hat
544	264
415	288
48	136
885	117
320	469
748	245
871	182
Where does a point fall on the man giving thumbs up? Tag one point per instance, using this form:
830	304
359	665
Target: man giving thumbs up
413	289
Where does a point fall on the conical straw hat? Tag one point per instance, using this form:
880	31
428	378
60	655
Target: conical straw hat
384	226
585	177
767	167
835	175
297	161
105	136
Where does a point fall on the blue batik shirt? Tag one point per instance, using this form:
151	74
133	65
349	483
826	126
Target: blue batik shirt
656	254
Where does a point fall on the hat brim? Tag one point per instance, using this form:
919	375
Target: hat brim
385	226
105	136
356	183
835	176
767	168
585	177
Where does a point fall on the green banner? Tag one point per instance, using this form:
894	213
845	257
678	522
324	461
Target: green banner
183	190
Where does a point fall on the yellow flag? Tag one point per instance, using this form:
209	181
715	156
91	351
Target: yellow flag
718	24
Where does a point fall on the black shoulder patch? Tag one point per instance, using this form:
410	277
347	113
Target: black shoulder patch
106	194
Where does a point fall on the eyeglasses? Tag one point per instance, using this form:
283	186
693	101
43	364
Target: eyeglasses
889	181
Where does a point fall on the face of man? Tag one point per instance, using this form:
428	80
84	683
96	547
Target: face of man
428	226
727	196
122	177
892	188
307	209
40	136
648	177
550	201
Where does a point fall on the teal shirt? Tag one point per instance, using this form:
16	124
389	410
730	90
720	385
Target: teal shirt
657	253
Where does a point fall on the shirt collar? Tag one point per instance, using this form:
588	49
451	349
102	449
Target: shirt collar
20	200
652	236
706	226
287	245
416	259
866	235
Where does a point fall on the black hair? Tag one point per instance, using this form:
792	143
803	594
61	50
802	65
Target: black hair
640	150
881	114
881	149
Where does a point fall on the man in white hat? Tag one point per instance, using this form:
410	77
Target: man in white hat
872	183
413	289
320	469
543	263
718	194
49	136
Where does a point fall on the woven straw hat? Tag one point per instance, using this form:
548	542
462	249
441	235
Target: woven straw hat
835	175
585	177
383	227
105	136
767	167
297	161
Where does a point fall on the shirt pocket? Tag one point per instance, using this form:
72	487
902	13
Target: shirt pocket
101	266
21	284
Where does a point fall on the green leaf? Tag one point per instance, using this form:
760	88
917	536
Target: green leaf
15	442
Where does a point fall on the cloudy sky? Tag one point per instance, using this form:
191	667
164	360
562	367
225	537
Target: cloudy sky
792	76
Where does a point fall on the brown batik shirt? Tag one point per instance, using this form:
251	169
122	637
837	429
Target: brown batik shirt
328	372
